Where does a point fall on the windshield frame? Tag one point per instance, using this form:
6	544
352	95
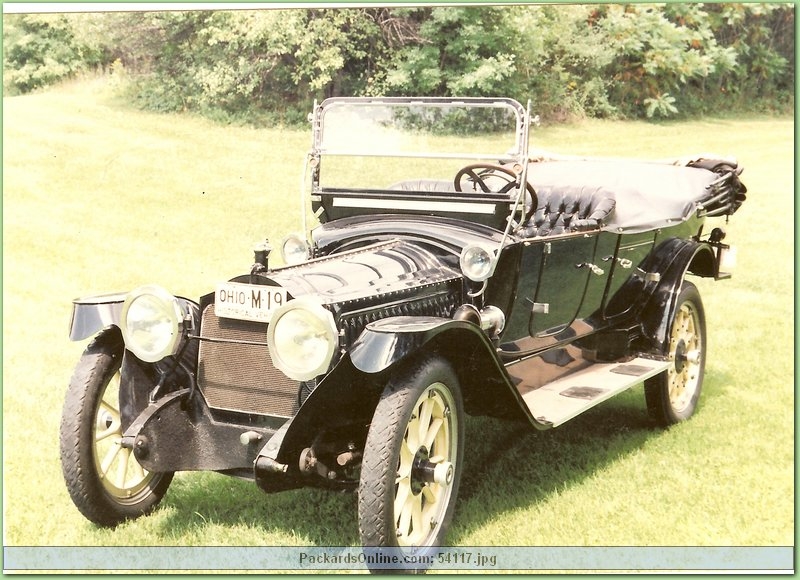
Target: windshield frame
319	148
517	156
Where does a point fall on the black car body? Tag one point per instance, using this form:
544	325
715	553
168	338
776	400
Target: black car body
450	270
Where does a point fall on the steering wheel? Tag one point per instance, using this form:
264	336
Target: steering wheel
481	174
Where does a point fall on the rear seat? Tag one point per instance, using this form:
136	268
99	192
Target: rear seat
563	209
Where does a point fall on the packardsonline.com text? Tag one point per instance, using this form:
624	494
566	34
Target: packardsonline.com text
396	558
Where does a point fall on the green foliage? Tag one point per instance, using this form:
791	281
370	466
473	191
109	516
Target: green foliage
663	106
461	51
564	70
657	51
41	49
268	66
763	38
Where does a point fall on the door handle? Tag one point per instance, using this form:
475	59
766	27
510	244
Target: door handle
595	269
623	262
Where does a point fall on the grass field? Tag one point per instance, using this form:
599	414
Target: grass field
98	198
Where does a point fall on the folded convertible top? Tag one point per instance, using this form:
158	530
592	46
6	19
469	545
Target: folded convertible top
647	194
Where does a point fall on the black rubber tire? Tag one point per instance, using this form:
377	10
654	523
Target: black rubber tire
672	396
95	496
429	389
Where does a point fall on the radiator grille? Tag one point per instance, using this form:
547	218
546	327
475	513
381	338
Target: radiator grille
241	377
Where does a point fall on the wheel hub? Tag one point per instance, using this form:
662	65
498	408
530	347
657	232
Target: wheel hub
424	471
680	355
420	470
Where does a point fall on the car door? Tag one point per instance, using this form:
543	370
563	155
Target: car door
566	264
553	276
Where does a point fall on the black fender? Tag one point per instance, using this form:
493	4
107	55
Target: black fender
92	314
343	401
670	263
346	398
485	384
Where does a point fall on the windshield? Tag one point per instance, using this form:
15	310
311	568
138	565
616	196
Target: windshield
395	143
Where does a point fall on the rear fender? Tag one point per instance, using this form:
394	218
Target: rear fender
671	262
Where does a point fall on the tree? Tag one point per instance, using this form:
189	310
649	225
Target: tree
41	49
624	60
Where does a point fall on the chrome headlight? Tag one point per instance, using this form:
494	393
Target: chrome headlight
152	323
477	262
302	339
294	250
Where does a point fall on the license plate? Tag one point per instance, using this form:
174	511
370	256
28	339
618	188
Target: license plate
248	302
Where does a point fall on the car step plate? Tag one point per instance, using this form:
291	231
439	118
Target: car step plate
568	397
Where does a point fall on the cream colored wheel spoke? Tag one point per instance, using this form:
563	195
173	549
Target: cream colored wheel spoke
110	408
406	463
111	431
138	471
411	437
122	468
121	474
402	495
435	428
425	411
404	525
417	531
108	460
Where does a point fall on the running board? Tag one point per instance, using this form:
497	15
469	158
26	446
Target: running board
566	398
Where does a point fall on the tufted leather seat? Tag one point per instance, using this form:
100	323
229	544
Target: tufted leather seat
564	209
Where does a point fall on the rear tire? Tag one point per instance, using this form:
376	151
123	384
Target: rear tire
412	460
104	480
672	396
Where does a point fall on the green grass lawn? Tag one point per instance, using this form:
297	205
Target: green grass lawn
98	198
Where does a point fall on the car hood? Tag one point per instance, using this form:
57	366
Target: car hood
376	271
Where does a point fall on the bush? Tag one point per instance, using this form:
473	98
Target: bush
41	49
268	66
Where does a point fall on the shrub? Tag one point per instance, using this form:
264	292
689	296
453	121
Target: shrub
614	60
41	49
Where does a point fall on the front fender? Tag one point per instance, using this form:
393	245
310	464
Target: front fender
385	342
486	386
348	395
92	314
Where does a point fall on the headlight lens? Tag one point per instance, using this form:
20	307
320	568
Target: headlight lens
302	338
477	262
294	250
152	323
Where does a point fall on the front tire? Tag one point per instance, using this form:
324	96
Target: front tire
672	396
104	479
412	460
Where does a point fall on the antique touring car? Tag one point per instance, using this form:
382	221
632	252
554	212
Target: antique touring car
444	268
